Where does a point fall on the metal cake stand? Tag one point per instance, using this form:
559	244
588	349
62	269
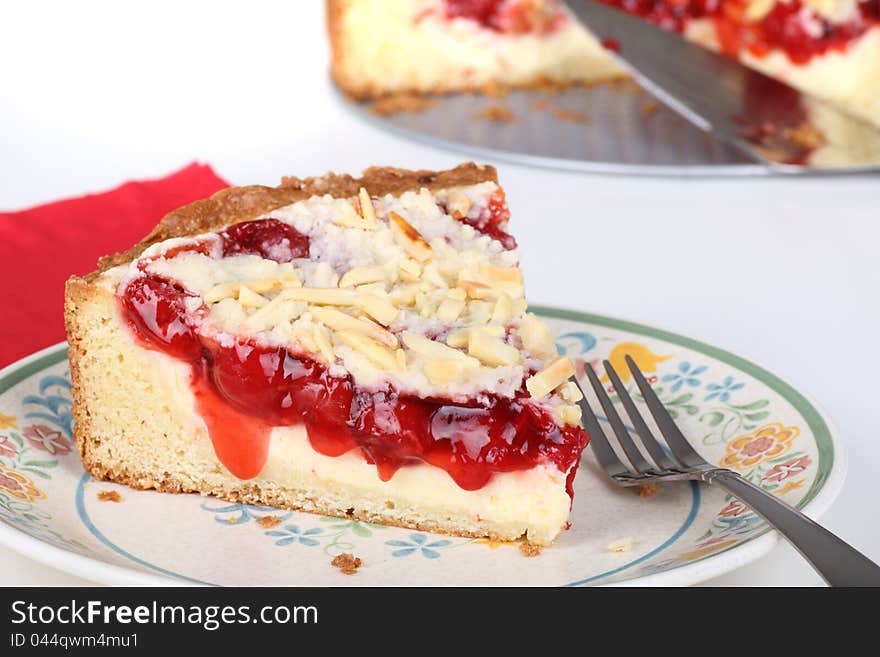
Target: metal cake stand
609	128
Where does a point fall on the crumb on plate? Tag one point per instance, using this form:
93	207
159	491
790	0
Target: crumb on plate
649	489
498	113
573	116
529	550
347	563
109	496
622	544
401	104
268	521
649	109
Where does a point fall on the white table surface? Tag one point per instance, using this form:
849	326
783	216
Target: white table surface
783	271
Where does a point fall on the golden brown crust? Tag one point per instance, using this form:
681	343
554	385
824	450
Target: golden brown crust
77	293
237	204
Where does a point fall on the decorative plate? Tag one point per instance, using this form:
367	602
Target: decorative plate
738	415
606	128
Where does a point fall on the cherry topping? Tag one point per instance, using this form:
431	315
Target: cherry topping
157	311
786	26
493	221
506	16
245	388
267	238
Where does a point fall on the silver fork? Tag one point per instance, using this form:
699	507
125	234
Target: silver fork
837	562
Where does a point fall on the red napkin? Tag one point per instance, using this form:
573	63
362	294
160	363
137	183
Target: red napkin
41	247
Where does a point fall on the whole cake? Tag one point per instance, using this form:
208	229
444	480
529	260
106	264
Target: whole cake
353	347
827	48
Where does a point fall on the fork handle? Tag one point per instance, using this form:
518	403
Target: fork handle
838	563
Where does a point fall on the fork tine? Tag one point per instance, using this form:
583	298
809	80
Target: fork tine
661	458
679	445
629	447
606	456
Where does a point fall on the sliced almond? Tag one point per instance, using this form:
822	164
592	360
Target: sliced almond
365	204
457	293
458	339
518	307
326	296
362	276
443	371
432	350
404	295
382	310
409	238
479	312
372	350
536	337
491	350
410	270
250	299
568	414
431	275
449	309
324	346
222	291
502	274
340	321
552	376
263	285
288	276
457	203
570	392
400	355
503	309
476	290
479	286
278	310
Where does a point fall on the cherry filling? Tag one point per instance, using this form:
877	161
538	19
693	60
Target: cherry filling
244	389
785	27
267	238
509	16
493	220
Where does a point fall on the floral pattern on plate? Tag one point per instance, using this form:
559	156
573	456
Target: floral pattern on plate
737	414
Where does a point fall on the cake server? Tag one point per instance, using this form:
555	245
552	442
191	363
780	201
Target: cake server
768	120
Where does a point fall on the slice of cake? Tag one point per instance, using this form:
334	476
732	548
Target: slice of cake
383	47
827	48
353	347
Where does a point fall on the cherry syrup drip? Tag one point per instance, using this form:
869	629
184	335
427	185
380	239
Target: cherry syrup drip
783	27
245	389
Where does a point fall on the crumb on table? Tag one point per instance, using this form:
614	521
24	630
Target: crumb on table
268	521
529	550
622	544
347	563
109	496
498	113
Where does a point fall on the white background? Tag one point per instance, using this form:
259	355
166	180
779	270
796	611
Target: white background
782	271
